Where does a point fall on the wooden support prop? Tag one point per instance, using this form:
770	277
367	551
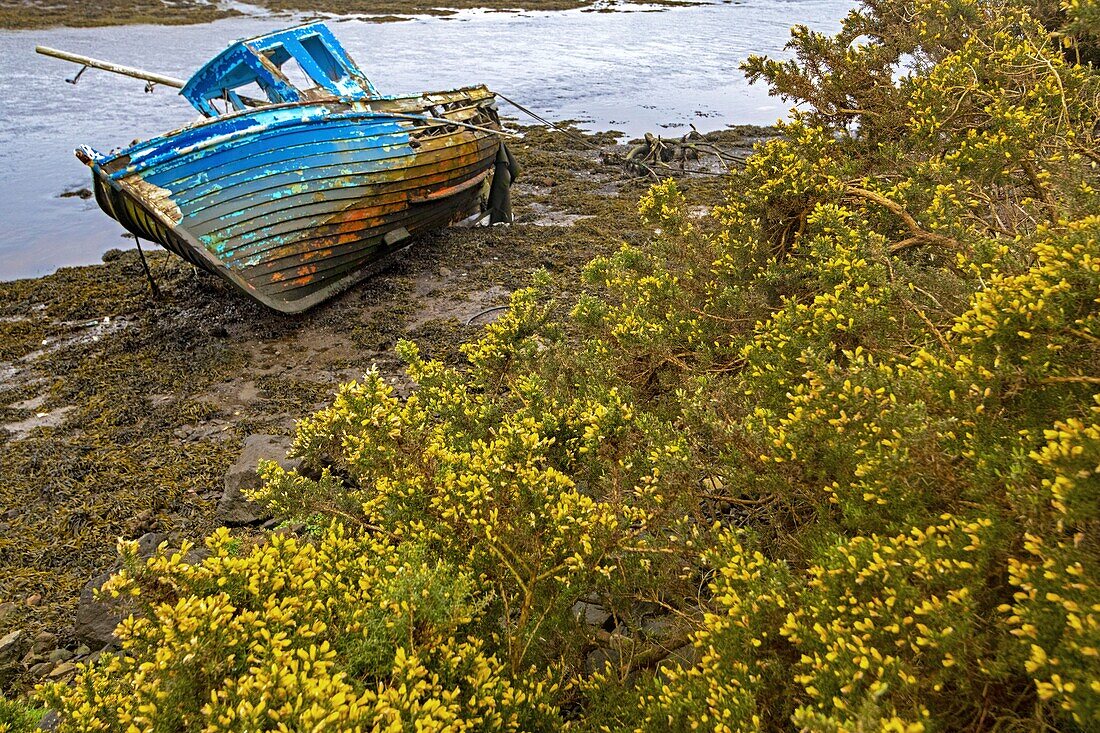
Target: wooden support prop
148	273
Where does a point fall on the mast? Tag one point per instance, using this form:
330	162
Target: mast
88	61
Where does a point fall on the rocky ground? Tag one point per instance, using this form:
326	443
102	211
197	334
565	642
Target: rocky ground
46	13
125	416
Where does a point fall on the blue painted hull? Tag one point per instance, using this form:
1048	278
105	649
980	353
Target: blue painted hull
294	203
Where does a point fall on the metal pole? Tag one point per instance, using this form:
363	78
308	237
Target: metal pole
76	58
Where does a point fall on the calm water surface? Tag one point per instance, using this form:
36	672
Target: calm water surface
632	71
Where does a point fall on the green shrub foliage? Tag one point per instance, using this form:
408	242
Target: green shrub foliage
17	717
844	436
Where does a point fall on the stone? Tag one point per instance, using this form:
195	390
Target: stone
714	483
149	542
41	669
95	622
660	627
50	721
60	655
143	523
679	658
11	646
62	670
234	508
7	611
11	649
603	660
293	528
44	643
34	599
592	614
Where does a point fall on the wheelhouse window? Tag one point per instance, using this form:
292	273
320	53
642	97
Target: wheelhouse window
290	66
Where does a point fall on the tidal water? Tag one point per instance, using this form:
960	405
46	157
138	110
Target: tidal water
636	69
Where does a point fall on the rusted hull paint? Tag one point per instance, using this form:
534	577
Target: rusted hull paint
295	203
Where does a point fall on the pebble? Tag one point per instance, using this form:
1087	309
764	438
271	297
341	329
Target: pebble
34	600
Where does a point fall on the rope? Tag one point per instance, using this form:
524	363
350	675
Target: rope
545	121
474	317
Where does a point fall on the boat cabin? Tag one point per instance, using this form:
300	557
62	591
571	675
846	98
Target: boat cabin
294	65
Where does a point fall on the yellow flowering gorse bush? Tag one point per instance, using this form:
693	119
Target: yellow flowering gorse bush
842	437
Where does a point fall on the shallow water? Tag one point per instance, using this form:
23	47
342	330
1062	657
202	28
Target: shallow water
637	70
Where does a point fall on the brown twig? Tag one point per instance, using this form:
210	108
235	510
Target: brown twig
1082	379
919	234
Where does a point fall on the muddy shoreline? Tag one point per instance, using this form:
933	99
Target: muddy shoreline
26	14
120	415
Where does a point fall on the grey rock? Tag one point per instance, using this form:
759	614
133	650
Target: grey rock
7	611
592	614
95	622
149	542
234	509
31	659
9	673
61	655
41	669
603	660
680	658
49	721
11	648
660	627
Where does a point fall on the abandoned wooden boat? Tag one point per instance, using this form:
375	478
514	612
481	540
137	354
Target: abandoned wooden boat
293	192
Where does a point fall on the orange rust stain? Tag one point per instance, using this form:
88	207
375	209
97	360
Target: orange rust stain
316	253
305	270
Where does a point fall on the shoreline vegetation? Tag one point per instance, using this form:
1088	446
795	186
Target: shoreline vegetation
120	414
812	445
28	14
